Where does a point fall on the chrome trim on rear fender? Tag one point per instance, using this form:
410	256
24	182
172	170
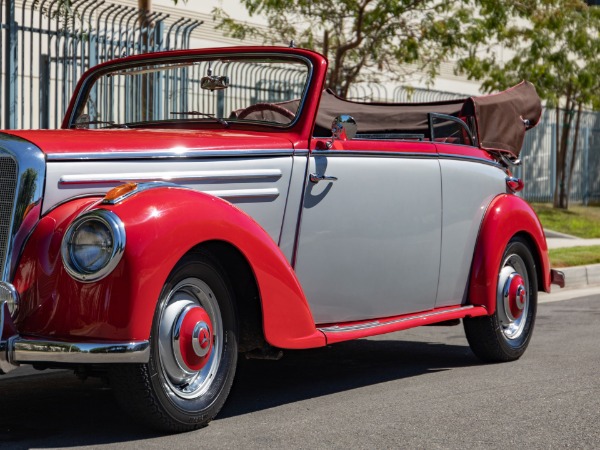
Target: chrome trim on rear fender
23	350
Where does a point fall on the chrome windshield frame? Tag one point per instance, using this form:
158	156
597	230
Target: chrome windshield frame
86	84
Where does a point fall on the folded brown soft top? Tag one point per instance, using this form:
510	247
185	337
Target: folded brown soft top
503	118
500	120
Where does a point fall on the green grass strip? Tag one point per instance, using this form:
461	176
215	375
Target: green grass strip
574	256
580	221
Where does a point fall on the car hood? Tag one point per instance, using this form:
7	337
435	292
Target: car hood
142	140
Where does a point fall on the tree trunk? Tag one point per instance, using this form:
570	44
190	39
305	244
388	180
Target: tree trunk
573	153
560	201
144	8
557	175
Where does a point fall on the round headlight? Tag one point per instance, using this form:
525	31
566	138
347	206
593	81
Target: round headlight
93	245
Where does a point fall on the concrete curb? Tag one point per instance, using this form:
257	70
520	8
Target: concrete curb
556	234
581	276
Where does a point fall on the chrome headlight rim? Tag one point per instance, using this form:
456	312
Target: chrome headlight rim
117	230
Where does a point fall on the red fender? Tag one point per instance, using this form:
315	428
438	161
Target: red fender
506	216
161	225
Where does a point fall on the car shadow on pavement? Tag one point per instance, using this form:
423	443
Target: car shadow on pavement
55	409
305	374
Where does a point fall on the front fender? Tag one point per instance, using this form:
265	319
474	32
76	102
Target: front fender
162	224
506	216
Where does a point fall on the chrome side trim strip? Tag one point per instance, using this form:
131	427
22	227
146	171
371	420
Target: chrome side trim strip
191	176
377	154
168	154
377	323
471	158
245	193
374	153
31	350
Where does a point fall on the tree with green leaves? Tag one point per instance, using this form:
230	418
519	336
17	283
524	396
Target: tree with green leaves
364	40
555	44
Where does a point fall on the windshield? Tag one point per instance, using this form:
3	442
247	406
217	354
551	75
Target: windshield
232	89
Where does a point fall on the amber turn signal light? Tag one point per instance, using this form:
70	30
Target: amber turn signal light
119	191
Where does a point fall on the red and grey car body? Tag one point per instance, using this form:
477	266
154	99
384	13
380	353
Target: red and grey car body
407	234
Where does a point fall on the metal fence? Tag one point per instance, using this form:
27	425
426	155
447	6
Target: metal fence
539	160
48	44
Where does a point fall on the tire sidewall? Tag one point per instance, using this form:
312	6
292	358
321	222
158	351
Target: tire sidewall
516	347
203	408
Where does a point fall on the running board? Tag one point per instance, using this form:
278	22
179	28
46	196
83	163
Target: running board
354	330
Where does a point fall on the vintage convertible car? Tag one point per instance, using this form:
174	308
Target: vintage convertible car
198	205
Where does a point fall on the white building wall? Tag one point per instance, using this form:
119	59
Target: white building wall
208	36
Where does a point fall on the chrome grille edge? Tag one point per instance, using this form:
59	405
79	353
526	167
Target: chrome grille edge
22	177
8	186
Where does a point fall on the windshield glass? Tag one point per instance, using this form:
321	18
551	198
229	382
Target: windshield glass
223	90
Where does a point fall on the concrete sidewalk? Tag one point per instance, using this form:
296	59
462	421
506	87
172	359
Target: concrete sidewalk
560	240
579	276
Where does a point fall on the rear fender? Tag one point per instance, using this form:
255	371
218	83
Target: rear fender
163	224
506	216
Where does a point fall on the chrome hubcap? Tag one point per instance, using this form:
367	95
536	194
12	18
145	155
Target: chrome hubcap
512	297
190	338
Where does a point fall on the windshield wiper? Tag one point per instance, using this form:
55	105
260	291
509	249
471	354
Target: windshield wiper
198	113
110	123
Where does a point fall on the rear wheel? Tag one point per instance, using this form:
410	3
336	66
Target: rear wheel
505	335
193	351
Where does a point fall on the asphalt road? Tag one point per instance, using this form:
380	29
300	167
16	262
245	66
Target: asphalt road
419	388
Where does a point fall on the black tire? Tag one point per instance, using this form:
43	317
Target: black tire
496	338
160	395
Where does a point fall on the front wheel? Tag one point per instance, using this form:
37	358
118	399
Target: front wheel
193	352
505	335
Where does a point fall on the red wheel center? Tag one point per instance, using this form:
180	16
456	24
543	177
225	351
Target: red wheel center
196	338
517	296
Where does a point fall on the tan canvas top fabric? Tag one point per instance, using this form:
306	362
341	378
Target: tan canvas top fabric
501	119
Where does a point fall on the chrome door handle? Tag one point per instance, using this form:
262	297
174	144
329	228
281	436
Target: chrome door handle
315	178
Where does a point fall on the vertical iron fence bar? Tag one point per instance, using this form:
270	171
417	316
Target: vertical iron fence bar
586	166
50	53
10	67
31	53
188	32
44	91
157	86
22	66
553	147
